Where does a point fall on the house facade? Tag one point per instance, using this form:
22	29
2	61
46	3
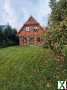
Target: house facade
31	33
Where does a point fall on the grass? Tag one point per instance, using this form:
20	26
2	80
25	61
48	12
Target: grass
29	68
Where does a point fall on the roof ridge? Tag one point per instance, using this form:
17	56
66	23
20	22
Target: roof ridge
31	20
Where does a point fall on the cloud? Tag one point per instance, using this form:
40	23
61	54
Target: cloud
16	12
40	10
9	13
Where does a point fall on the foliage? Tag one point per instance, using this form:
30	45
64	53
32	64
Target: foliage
59	11
45	38
52	4
57	35
8	36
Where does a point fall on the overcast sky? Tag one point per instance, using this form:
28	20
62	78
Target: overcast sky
16	12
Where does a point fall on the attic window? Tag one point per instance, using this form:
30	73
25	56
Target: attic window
34	30
27	29
36	27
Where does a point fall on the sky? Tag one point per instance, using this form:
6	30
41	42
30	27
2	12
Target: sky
16	12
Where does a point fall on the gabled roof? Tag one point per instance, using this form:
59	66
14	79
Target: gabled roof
31	21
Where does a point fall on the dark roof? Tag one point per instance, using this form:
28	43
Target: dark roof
31	21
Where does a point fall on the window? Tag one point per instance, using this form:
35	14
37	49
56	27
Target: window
31	40
24	39
36	27
34	30
38	39
27	28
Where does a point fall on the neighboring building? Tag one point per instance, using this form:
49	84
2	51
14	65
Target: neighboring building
31	33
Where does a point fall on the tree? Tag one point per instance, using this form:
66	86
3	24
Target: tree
8	36
58	28
1	35
52	4
59	11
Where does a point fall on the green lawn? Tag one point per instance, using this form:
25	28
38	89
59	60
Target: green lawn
29	68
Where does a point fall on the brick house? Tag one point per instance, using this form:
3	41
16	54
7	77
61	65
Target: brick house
31	33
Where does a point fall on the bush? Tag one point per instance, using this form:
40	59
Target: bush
46	45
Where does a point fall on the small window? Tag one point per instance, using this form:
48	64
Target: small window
31	40
24	39
38	39
34	30
36	27
27	28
